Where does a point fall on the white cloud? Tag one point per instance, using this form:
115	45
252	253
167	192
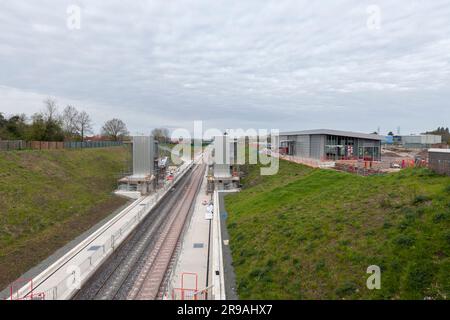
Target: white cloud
283	64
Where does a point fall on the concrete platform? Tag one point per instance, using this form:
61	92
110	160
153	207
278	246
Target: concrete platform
192	260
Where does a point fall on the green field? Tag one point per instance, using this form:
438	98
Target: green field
47	198
311	234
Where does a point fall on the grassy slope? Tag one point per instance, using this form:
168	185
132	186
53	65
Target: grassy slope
49	197
311	234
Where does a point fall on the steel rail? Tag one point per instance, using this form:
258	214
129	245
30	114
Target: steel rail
147	286
128	254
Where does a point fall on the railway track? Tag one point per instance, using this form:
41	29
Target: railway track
148	249
148	283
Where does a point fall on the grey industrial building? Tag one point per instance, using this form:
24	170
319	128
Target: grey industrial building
331	145
418	141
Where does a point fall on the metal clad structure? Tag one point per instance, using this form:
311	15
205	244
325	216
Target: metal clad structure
439	160
303	145
222	157
325	144
143	156
317	146
420	141
224	150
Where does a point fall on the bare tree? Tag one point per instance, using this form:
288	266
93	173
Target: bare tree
115	129
83	124
161	134
69	120
47	125
50	112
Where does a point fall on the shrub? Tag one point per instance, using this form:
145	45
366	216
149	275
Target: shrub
420	199
232	225
410	217
439	217
320	265
410	214
242	284
387	225
346	289
262	274
246	253
403	225
443	277
447	189
255	273
296	263
418	277
270	263
426	173
386	203
405	241
239	237
285	257
447	237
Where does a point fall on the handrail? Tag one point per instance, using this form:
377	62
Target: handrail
218	280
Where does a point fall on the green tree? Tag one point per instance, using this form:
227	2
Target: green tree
13	128
47	125
443	132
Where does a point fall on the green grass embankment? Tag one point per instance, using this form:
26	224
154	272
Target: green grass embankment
47	198
311	234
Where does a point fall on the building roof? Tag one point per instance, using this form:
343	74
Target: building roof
439	150
334	133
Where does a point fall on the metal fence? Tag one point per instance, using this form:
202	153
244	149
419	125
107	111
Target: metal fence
9	145
91	144
440	166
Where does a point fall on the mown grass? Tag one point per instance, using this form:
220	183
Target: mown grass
48	198
311	234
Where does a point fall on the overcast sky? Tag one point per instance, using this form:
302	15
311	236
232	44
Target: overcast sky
291	65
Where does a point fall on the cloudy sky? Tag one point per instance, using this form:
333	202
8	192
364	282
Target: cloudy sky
291	65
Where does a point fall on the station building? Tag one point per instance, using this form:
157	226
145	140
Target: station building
331	145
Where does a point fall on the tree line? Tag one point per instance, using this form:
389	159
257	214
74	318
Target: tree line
51	125
443	132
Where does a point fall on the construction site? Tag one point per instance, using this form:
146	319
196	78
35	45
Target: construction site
363	154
